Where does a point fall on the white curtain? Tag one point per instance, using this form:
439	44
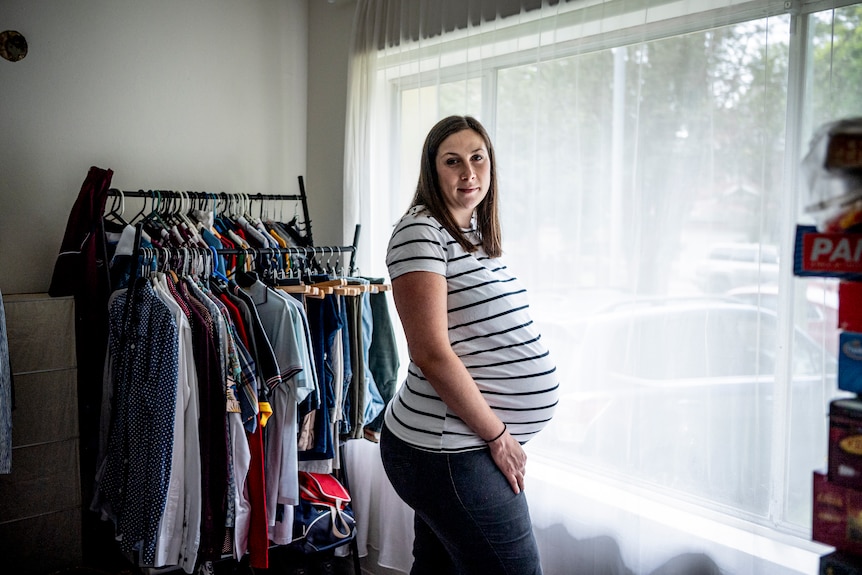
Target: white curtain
648	157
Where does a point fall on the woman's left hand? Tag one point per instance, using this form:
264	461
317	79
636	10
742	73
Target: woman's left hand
511	459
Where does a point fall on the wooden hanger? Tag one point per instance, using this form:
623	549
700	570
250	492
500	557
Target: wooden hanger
347	290
301	288
328	286
331	283
316	293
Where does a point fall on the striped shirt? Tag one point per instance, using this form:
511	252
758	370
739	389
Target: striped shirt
489	329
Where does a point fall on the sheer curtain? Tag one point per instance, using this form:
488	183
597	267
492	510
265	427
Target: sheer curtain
648	157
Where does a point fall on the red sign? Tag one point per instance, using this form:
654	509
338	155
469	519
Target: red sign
832	253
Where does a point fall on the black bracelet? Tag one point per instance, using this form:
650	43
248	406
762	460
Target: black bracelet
499	435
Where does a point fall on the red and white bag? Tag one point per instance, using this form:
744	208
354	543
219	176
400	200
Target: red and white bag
323	489
323	519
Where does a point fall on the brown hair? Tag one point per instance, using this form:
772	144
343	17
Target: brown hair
428	188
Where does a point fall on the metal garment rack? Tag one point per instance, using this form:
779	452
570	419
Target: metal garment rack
211	196
157	195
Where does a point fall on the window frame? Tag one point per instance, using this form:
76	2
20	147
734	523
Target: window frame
401	72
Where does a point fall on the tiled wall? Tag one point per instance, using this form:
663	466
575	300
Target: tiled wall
40	501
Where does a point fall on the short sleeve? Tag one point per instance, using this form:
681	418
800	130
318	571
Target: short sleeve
418	243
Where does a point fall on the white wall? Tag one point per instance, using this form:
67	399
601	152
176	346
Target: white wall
205	95
329	29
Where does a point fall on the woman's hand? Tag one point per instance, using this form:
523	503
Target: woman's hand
511	459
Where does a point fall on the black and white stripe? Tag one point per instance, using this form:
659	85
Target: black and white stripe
490	330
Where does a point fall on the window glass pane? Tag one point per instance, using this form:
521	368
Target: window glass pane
836	66
644	190
421	108
835	92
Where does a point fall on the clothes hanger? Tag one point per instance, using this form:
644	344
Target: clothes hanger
328	285
290	275
203	267
245	202
348	290
247	277
172	264
143	205
150	262
154	220
118	201
173	206
299	287
215	272
186	207
275	265
220	218
203	215
168	214
167	210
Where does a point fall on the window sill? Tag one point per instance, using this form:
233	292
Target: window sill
651	529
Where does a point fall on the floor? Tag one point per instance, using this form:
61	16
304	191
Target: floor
298	564
280	563
105	559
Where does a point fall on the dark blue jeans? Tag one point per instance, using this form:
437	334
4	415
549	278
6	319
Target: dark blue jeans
468	521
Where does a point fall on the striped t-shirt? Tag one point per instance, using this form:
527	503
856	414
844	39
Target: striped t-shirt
490	330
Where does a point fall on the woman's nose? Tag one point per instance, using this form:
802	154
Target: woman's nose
468	172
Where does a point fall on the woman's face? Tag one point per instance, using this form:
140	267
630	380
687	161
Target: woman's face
464	173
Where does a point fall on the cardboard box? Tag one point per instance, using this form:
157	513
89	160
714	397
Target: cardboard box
835	255
844	151
837	515
845	443
841	563
850	306
850	361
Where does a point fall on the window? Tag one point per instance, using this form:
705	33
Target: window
649	185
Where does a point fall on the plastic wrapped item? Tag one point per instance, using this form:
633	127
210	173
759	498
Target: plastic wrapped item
832	171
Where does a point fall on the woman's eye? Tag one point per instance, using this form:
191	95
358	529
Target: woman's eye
451	162
478	158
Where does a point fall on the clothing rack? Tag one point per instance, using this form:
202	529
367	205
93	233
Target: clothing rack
158	195
211	196
224	196
306	251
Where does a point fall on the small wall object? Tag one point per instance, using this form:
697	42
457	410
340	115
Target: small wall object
13	46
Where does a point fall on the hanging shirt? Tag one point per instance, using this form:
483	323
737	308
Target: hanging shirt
5	397
324	324
382	356
282	487
143	346
212	428
178	531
